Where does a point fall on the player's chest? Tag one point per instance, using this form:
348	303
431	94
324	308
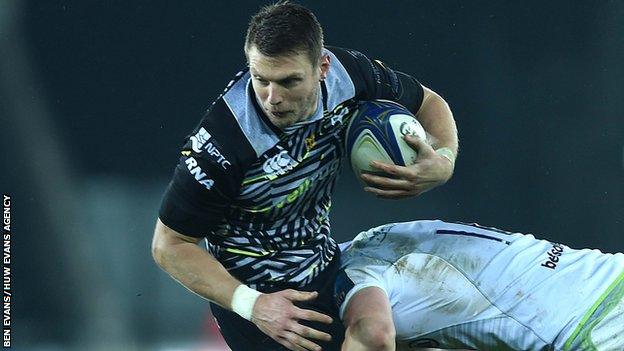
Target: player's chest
298	163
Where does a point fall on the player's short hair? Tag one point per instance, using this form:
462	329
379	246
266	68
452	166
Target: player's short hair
285	28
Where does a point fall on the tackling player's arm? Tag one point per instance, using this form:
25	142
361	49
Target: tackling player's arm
368	322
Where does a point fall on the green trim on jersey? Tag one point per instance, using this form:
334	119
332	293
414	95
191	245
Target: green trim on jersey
600	309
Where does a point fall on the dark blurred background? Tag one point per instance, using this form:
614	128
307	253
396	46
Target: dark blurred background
96	97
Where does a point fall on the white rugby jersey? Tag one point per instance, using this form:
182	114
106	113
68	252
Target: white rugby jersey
466	286
260	195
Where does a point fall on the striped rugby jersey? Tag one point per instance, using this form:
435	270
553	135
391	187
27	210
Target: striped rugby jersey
260	195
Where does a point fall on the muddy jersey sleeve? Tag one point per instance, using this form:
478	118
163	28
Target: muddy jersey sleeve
207	176
373	79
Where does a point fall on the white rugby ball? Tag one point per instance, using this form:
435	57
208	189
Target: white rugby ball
375	133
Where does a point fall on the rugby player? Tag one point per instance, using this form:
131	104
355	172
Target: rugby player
448	285
255	179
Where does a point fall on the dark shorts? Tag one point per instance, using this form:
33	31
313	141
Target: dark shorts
242	335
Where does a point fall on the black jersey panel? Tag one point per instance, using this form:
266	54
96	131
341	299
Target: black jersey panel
410	92
374	80
183	210
208	175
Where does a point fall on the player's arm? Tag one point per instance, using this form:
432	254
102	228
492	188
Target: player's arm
368	322
181	257
437	119
193	205
275	314
436	156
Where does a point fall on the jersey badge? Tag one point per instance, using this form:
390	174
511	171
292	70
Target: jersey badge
279	164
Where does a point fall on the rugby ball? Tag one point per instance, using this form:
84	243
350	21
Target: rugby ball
375	133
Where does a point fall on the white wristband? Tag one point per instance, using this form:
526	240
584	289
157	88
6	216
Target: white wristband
243	300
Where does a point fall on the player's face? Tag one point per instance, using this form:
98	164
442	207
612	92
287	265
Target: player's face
286	86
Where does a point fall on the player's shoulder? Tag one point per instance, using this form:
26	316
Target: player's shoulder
348	63
371	79
347	56
230	105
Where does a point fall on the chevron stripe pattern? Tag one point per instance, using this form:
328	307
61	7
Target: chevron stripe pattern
278	227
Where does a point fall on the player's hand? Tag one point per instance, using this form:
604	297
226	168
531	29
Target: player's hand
429	170
277	316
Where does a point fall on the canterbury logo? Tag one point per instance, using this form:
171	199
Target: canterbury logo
279	164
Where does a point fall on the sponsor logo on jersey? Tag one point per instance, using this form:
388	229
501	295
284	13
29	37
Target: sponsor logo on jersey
338	116
216	155
420	343
292	196
201	141
336	119
392	77
339	113
303	187
196	171
553	256
279	164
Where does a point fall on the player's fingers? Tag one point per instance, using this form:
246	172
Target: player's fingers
401	194
419	145
394	170
300	343
386	183
414	190
296	295
391	194
310	315
289	344
310	333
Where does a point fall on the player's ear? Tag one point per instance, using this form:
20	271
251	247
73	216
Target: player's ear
324	66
